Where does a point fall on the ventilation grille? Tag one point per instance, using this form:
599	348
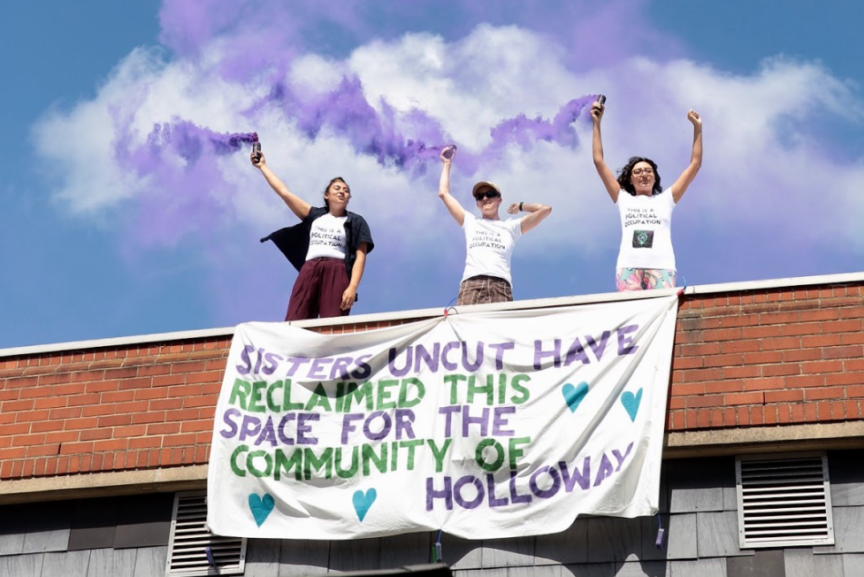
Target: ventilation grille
784	502
190	540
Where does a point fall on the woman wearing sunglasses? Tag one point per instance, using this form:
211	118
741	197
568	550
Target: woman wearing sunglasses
646	259
489	240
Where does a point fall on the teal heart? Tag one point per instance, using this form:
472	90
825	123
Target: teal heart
574	395
631	403
261	507
363	502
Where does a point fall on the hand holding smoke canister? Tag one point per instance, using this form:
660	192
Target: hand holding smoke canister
449	151
256	151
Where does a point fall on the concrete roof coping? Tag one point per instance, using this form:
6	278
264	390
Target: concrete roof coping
833	279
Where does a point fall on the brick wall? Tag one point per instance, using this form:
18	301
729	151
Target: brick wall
769	357
742	359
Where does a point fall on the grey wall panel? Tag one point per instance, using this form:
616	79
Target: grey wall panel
407	549
22	565
798	562
12	529
66	564
828	566
569	546
614	539
717	535
847	494
700	568
145	521
765	563
848	528
853	565
846	470
150	562
300	557
111	563
589	570
480	573
462	553
45	541
696	484
355	555
94	523
514	552
45	525
262	557
102	563
643	569
11	544
679	541
139	535
542	571
664	489
730	490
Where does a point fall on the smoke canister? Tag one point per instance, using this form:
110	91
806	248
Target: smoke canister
449	151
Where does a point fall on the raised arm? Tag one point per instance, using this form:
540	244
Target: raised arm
536	213
297	205
680	186
606	174
456	210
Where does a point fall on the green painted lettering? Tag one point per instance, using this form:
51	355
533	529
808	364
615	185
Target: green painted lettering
310	461
318	399
284	464
252	468
439	453
417	384
255	404
237	452
239	393
384	394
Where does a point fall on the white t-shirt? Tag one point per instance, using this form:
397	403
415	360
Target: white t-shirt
327	237
490	244
646	230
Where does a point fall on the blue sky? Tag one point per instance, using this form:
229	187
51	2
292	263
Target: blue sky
92	249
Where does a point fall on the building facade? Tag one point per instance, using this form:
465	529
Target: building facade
104	448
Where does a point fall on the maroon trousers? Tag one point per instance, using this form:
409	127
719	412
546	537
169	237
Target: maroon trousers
318	290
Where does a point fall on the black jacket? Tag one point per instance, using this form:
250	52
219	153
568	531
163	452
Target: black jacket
293	241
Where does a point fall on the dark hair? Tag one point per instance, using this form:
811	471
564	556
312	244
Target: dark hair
625	173
329	184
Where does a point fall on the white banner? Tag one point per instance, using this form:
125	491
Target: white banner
484	425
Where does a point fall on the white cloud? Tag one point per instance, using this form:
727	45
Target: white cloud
761	169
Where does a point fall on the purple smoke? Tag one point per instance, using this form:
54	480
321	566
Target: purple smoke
183	163
190	141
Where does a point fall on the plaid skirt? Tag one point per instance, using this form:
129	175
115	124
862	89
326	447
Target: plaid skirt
484	289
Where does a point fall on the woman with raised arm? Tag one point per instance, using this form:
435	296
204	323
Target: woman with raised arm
646	259
328	248
489	240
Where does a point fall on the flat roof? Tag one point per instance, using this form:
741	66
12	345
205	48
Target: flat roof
832	279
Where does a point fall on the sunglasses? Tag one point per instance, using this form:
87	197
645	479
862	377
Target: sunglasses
487	194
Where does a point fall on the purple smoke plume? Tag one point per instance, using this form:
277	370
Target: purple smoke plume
183	163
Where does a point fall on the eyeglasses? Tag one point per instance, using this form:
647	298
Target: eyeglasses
645	171
487	194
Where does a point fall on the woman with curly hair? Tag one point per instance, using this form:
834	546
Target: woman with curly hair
646	259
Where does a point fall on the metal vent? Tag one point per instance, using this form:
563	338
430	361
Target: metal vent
193	550
784	502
